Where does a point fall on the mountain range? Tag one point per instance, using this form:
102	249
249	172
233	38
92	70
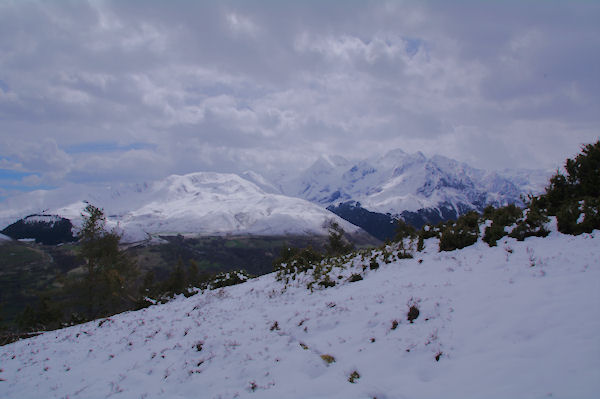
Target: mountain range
399	183
379	189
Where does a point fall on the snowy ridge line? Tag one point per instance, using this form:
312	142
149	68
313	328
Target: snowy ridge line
523	312
398	182
51	219
219	203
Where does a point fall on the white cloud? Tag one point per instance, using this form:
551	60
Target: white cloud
43	157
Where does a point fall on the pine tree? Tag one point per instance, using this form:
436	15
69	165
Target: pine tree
110	272
338	244
193	274
148	289
176	282
45	315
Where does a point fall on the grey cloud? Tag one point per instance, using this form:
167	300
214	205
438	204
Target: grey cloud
129	166
241	84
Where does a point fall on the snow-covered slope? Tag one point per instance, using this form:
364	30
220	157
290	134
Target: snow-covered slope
261	182
519	320
197	203
49	219
398	182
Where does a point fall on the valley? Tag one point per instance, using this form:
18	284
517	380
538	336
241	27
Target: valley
30	271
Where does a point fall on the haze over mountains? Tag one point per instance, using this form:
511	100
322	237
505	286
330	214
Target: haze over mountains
207	203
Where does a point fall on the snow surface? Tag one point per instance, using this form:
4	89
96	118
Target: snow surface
261	182
519	320
50	219
4	238
197	203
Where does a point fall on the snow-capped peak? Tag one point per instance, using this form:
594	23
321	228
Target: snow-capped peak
399	181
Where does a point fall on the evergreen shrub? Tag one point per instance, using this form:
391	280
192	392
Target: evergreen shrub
460	234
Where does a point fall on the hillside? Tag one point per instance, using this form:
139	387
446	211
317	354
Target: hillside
516	320
31	271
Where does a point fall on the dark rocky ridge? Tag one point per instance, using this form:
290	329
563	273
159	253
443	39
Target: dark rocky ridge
45	229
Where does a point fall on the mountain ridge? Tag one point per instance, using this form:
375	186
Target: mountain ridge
205	203
412	187
400	182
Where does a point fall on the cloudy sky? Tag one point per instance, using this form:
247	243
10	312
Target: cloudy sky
130	90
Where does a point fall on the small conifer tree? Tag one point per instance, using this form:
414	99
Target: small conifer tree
110	272
338	244
574	198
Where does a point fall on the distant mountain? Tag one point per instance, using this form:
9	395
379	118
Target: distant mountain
45	229
197	203
370	192
411	186
379	225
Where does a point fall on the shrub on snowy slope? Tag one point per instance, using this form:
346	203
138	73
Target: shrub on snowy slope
532	224
187	282
506	221
513	222
294	261
575	198
501	218
461	233
226	279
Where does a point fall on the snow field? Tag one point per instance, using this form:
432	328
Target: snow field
517	320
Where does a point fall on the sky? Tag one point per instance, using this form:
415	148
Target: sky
131	90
